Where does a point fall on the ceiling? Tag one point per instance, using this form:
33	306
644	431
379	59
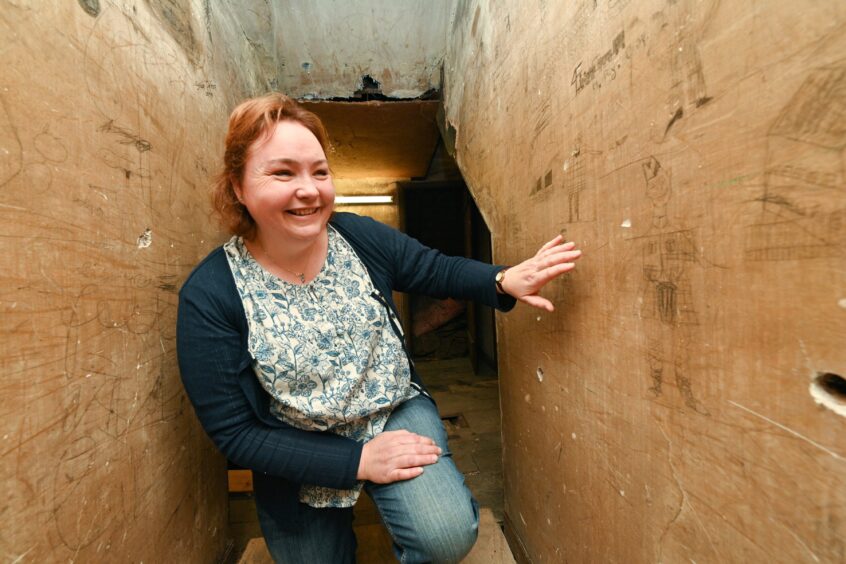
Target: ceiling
320	51
323	48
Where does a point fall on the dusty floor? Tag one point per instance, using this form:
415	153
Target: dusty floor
469	405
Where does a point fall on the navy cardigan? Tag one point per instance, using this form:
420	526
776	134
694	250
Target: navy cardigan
230	403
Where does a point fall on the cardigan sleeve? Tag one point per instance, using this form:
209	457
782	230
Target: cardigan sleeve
218	377
419	269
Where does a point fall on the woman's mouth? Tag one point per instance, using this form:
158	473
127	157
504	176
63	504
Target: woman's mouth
304	211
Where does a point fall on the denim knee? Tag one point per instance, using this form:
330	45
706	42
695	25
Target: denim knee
433	517
445	536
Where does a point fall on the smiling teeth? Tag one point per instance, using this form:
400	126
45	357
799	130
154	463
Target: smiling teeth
304	212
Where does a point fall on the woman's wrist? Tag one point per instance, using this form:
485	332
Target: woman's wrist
362	470
500	279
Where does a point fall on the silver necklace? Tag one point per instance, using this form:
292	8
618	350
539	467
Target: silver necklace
299	275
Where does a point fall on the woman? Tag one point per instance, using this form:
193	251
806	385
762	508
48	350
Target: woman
292	355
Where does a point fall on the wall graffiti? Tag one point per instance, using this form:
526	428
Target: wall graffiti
804	174
669	258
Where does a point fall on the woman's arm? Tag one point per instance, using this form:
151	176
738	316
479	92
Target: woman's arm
422	270
416	268
228	400
233	408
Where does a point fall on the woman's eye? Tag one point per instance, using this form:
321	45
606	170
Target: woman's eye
283	173
321	173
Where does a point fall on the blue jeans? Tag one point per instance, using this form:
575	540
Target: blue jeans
431	518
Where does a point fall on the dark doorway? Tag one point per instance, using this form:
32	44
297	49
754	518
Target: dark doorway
442	214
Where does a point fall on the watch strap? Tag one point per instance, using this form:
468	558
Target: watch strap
498	280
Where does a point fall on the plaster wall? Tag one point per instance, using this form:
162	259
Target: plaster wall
112	116
319	49
324	48
695	151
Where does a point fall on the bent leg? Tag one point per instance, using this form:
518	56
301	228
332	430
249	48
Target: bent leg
433	517
326	537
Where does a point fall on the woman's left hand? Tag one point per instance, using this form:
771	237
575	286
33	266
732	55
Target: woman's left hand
525	280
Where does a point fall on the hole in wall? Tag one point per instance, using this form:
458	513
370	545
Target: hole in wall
369	87
829	390
91	7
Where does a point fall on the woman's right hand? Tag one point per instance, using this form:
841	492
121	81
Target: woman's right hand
396	455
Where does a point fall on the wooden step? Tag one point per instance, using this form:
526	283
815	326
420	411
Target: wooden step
240	481
491	548
256	553
375	545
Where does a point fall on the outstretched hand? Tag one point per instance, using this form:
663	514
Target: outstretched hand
525	280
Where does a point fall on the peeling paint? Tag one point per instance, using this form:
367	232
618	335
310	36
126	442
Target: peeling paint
145	239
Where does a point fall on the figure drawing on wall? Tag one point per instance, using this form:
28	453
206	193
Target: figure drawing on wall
667	311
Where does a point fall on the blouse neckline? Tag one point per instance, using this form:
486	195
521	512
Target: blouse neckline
321	274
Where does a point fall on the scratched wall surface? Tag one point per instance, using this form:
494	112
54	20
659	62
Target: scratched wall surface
695	151
111	119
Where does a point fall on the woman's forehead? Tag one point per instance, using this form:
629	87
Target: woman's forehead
289	143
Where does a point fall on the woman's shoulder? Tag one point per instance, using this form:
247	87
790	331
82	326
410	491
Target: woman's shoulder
349	220
363	228
209	293
211	276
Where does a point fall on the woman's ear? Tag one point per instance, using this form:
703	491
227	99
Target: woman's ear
236	187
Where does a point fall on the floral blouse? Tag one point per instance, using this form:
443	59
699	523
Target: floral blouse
325	351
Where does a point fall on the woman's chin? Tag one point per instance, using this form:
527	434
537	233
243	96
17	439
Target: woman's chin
304	231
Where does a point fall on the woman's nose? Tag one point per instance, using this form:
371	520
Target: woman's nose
307	189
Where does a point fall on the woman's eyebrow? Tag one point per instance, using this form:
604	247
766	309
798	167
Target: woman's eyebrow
291	162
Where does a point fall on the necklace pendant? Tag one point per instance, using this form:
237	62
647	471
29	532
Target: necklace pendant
302	278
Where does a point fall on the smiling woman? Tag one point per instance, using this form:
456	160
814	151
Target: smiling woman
292	354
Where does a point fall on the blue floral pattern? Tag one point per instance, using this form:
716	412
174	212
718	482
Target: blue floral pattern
325	351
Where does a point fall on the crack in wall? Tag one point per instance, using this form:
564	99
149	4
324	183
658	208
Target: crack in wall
685	500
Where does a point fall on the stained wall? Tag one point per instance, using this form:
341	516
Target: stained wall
320	49
325	48
695	152
112	116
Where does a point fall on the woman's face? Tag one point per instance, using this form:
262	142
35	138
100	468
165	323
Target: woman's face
287	187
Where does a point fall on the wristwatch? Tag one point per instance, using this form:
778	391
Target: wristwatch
500	276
